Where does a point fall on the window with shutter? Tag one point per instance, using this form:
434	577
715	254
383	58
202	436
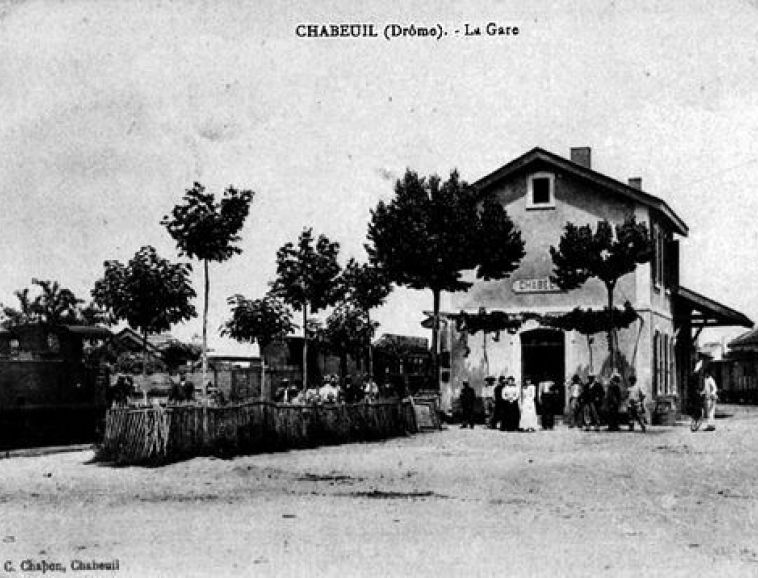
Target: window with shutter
656	363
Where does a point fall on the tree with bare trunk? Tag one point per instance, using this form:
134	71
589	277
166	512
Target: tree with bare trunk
607	254
150	293
365	287
208	231
307	279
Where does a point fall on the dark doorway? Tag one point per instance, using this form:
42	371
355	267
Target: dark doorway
543	358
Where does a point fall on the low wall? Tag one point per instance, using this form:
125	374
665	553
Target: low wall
158	435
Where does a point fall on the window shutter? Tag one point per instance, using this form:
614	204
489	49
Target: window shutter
665	364
656	256
656	363
673	264
672	363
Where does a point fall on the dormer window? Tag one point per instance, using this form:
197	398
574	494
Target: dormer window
541	191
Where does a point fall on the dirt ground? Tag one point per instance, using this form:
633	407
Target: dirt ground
451	503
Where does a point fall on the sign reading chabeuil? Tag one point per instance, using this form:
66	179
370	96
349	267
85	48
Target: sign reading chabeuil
535	285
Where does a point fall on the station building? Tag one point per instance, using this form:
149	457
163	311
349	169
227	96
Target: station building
541	192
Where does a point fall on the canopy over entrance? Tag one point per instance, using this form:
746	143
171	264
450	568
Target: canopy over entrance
706	312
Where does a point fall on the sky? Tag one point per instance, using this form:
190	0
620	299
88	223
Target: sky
110	110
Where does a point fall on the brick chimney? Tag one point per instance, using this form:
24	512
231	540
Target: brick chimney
636	183
582	156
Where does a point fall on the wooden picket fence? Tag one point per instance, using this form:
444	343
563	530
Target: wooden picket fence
159	435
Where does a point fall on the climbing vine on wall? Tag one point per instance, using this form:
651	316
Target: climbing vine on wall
585	321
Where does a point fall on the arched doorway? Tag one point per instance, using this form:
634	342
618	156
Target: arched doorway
543	358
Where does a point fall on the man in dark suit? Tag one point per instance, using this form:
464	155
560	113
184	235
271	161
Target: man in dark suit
467	399
612	402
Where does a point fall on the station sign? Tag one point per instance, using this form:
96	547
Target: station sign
535	285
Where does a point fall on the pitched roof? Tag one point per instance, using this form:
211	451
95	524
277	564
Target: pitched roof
746	340
583	173
89	331
710	313
127	334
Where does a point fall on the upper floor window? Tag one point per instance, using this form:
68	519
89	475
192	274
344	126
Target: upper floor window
541	191
659	250
665	263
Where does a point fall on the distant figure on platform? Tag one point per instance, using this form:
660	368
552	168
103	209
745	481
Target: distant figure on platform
467	400
710	396
547	400
613	401
528	419
329	392
187	387
312	396
119	393
176	395
636	404
576	410
292	392
349	391
370	389
511	413
488	396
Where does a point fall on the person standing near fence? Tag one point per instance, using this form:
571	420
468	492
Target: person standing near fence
329	393
176	394
312	396
187	387
370	389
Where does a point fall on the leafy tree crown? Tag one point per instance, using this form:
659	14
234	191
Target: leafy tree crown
432	231
363	285
53	305
307	273
608	253
150	293
346	330
205	229
258	320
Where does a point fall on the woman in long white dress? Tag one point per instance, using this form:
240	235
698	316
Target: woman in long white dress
528	411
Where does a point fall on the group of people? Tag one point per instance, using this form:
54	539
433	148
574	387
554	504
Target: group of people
591	404
332	391
510	407
182	390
